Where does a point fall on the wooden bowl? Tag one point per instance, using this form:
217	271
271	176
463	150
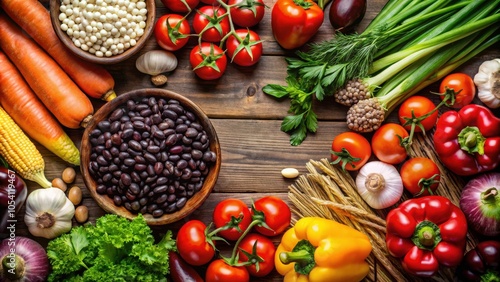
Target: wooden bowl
197	198
66	40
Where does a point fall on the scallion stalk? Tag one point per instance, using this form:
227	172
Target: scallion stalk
368	115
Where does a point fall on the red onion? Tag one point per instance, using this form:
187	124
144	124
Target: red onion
480	202
23	259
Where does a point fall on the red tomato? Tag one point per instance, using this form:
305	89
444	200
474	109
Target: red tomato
276	214
208	61
418	106
192	243
386	143
463	85
260	252
248	51
219	271
246	13
294	23
180	6
351	150
211	23
420	176
230	209
172	32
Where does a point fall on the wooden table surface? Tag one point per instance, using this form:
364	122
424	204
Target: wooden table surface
247	121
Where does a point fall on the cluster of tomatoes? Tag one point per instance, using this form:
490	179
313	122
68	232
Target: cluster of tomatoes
222	28
391	141
248	228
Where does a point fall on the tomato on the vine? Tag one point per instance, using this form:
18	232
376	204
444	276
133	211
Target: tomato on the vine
387	143
275	212
211	23
180	6
414	109
192	243
463	85
420	176
351	150
248	51
259	250
219	271
229	210
208	61
246	13
172	32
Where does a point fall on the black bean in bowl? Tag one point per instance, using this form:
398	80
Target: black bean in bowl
150	156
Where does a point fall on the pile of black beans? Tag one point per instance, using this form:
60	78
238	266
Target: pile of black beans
150	156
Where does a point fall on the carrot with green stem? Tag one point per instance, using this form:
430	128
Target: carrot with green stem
34	18
47	79
24	107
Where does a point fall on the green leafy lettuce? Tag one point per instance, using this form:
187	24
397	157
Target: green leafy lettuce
114	249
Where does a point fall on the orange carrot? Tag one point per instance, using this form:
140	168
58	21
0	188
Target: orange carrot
50	83
19	101
34	18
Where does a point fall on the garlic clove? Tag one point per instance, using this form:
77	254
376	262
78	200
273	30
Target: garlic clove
157	62
159	80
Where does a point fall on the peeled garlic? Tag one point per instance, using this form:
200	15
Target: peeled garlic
290	172
156	63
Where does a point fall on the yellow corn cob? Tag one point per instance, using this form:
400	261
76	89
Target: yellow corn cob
19	152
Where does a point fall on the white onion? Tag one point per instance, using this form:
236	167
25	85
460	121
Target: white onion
379	184
28	256
480	202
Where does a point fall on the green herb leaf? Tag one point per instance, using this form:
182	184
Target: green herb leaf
291	122
275	90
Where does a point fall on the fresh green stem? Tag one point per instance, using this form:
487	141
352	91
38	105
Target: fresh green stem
400	65
405	35
420	8
473	49
465	13
444	38
419	72
391	9
234	258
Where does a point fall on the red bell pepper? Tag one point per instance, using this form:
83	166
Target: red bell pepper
425	233
481	263
294	22
468	141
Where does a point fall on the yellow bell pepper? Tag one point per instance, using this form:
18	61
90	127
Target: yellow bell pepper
318	249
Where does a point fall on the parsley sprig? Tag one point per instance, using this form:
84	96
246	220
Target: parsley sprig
318	73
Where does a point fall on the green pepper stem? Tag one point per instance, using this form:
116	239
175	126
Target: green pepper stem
300	257
427	235
15	263
471	140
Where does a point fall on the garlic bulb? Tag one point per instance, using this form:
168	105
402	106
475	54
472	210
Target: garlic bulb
156	63
379	184
487	81
48	213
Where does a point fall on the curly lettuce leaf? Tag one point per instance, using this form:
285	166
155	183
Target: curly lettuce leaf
114	249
